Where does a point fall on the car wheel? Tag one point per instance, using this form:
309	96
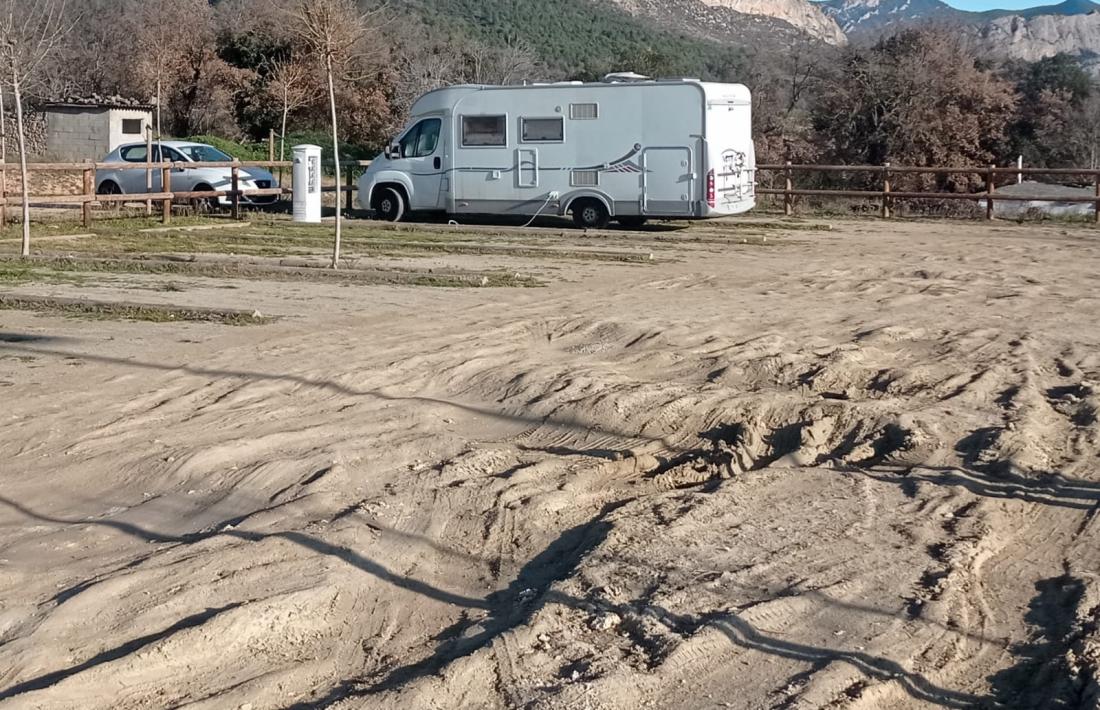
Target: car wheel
108	187
389	204
632	221
590	213
204	205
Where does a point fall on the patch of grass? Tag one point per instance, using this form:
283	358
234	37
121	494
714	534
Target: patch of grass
297	242
18	272
785	224
43	269
107	310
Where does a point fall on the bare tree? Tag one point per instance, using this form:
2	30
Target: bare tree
164	51
334	32
30	31
421	64
3	160
288	80
503	65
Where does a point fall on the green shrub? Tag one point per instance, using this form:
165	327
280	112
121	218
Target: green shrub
240	151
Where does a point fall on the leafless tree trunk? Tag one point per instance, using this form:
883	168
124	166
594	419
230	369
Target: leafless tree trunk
3	160
288	81
159	134
333	31
20	134
335	158
30	31
3	128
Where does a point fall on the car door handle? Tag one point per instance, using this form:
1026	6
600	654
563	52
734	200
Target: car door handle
437	163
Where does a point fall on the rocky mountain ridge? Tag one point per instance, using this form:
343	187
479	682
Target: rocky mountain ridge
1071	27
737	19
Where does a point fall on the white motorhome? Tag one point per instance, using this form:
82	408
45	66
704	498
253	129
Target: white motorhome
622	150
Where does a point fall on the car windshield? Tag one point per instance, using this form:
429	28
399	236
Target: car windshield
204	154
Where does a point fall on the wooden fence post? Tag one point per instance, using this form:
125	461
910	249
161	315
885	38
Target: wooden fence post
89	195
1096	205
271	145
886	190
166	186
788	199
148	171
3	193
990	188
347	193
236	197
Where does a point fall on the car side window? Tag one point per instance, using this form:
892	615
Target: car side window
172	156
422	139
134	154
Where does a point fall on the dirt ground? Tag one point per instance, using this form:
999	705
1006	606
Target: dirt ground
750	465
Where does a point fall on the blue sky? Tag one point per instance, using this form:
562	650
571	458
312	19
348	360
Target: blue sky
997	4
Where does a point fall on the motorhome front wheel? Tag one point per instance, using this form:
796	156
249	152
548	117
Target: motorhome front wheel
389	204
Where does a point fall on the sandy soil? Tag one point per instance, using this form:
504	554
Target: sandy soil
852	469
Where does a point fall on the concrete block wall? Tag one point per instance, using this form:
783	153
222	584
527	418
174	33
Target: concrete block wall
77	134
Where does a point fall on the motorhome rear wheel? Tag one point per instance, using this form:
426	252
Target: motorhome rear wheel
589	213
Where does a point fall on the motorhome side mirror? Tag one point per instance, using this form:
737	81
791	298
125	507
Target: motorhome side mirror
393	151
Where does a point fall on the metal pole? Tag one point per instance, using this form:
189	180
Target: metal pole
886	190
1020	167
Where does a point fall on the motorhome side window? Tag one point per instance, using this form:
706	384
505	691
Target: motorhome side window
542	130
484	131
422	139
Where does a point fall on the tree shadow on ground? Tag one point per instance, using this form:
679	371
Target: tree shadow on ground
1042	676
339	388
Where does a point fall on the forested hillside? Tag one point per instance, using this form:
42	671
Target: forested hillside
583	39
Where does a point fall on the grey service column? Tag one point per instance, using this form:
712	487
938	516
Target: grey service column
306	179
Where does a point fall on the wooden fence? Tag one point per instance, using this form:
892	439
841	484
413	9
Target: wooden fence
88	197
886	196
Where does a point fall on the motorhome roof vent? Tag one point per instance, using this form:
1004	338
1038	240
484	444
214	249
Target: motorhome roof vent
624	76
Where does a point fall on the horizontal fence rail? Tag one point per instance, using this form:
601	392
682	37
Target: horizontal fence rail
164	195
886	196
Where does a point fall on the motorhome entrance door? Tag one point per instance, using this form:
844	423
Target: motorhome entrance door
668	180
